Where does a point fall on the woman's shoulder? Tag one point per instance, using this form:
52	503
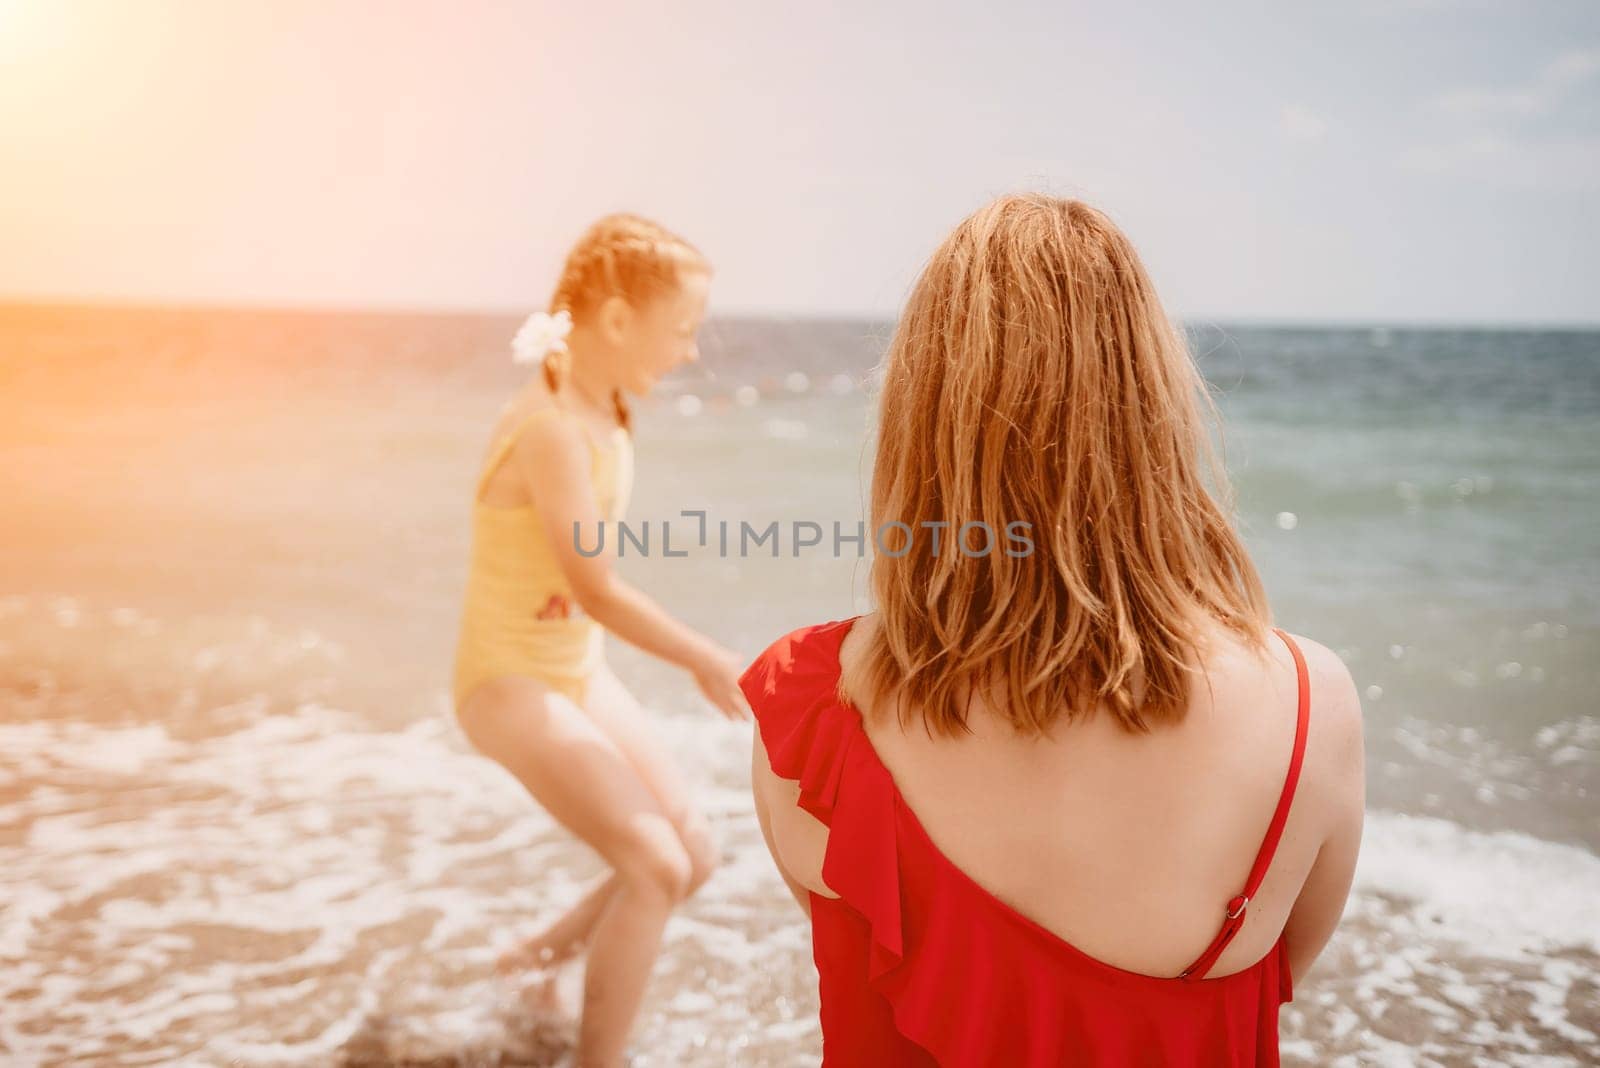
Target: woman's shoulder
1255	713
1331	690
803	656
1334	704
1334	732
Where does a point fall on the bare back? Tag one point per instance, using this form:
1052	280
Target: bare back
1129	846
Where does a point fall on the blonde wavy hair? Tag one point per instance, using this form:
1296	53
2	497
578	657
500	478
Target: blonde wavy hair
620	255
1034	377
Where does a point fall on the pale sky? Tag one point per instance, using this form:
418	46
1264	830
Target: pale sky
1359	160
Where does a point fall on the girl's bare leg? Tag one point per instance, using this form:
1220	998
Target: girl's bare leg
620	716
580	776
629	727
564	938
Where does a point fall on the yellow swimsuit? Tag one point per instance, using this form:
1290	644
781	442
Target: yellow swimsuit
520	615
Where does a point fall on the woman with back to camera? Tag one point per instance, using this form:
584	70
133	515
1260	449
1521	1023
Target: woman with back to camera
1073	800
532	689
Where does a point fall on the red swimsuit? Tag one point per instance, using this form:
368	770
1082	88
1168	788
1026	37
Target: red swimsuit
919	965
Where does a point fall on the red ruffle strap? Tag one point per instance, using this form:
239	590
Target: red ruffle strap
816	740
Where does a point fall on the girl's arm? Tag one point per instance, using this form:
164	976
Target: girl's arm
553	458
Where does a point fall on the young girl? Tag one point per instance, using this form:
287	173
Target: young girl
532	689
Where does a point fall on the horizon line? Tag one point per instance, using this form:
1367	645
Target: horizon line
759	313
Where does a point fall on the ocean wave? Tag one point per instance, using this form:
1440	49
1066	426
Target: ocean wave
307	890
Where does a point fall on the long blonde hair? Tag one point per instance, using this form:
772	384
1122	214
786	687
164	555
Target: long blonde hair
620	255
1035	378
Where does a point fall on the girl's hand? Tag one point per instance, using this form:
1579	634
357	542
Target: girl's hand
717	674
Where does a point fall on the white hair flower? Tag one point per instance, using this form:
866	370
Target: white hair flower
541	335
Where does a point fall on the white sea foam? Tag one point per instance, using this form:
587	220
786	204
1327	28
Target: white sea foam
302	888
1503	894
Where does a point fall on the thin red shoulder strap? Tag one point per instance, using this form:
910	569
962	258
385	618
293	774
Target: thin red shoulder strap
1234	915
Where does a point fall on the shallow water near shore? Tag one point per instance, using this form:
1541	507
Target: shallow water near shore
237	823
